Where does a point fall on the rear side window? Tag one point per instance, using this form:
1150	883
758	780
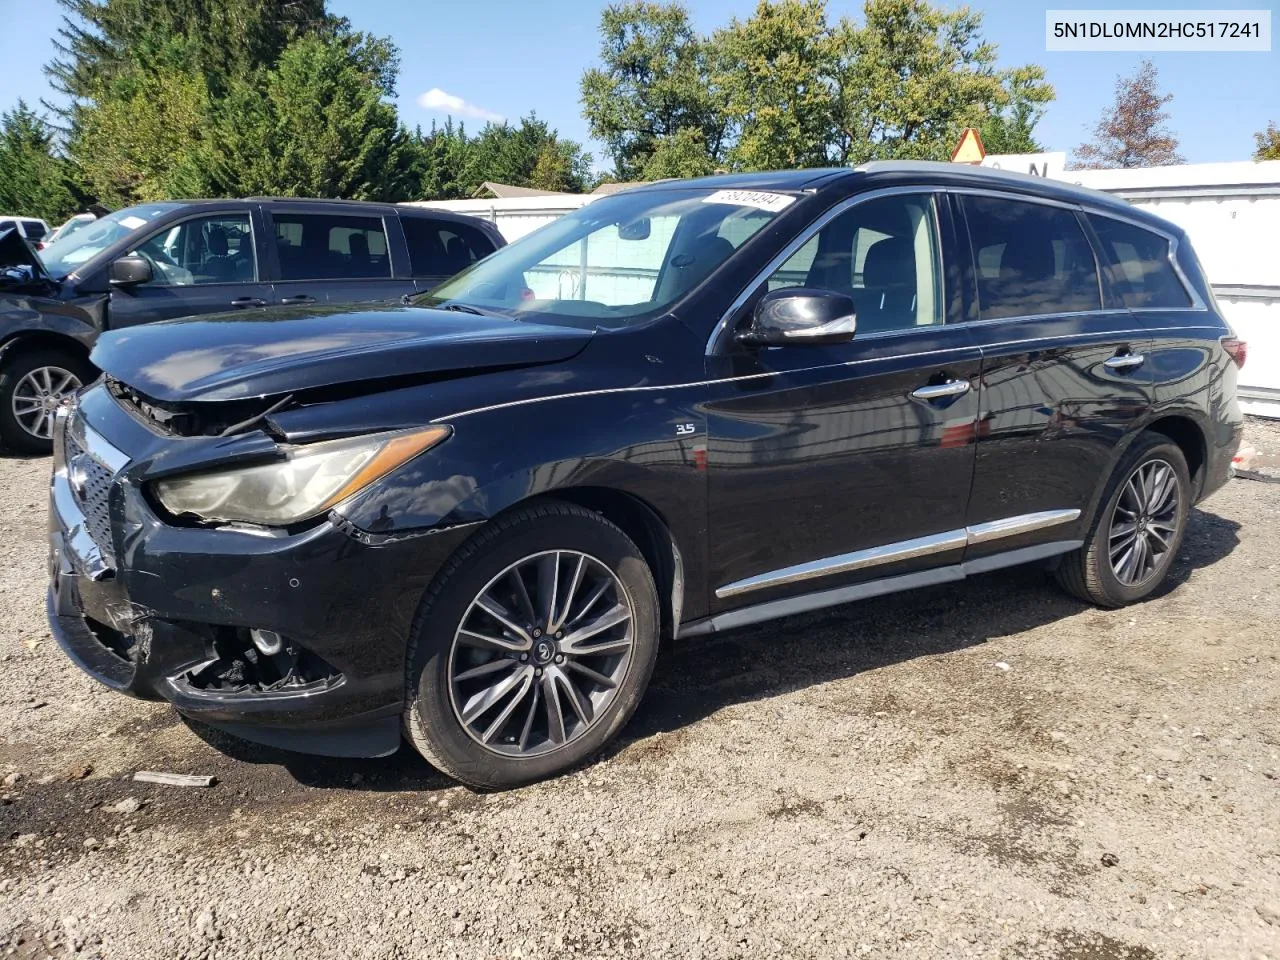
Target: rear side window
1141	270
441	248
34	230
327	247
1031	259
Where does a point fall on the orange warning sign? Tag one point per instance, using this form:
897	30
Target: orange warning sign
969	149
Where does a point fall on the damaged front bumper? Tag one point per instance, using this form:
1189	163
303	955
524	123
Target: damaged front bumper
166	612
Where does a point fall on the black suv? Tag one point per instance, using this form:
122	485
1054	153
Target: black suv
683	408
166	260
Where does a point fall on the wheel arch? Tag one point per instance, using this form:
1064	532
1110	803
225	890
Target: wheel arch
1183	428
43	340
1190	438
650	532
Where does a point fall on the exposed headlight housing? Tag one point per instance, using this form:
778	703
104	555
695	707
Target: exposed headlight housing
311	479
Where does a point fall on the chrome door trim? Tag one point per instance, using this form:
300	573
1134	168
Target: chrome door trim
808	233
817	600
902	550
845	562
1013	526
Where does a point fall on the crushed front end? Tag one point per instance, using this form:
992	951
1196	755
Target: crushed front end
293	637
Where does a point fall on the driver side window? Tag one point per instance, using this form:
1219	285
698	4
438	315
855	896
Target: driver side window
884	254
202	251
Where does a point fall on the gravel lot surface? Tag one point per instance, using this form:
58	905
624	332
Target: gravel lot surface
986	769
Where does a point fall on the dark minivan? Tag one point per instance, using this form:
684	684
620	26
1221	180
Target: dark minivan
681	409
159	261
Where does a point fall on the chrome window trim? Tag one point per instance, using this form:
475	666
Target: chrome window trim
1197	302
1077	209
810	232
973	535
246	212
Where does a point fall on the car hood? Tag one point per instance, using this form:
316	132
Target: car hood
16	254
286	350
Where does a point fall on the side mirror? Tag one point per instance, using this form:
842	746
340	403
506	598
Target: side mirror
129	272
798	315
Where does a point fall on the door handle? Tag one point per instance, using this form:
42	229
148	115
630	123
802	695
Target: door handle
300	298
241	303
1125	361
940	391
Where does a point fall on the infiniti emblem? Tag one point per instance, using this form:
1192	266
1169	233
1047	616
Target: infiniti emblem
543	651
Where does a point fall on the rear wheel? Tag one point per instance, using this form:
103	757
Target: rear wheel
34	384
1138	528
532	648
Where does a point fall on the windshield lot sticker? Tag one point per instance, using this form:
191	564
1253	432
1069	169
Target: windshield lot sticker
773	202
133	223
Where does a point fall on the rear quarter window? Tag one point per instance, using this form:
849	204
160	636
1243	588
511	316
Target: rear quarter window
1141	271
441	248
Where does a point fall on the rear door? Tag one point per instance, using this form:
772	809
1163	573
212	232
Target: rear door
336	254
439	248
206	263
1064	374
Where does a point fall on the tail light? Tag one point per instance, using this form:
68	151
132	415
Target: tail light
1237	349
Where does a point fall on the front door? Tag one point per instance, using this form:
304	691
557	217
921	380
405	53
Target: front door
205	264
834	464
1064	376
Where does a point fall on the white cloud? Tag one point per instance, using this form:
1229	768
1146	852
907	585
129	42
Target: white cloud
437	100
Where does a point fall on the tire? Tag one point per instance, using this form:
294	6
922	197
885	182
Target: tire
453	715
1109	576
21	364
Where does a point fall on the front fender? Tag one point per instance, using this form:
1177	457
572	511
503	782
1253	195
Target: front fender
638	443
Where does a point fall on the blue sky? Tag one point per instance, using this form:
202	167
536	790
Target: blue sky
510	57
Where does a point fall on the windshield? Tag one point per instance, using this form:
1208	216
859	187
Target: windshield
616	261
73	249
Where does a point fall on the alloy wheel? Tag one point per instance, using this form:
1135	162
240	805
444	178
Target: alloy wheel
38	396
540	653
1144	523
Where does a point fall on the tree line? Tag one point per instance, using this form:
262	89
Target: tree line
280	97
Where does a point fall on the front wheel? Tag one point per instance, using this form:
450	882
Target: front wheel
1138	529
34	384
532	648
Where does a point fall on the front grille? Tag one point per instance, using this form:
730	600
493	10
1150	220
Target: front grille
91	486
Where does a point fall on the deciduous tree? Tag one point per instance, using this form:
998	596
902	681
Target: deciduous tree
1134	131
1010	127
1268	143
652	83
788	88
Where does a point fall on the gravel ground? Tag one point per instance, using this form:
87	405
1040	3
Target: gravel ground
979	770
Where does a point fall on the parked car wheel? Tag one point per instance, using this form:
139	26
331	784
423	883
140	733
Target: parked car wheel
33	385
532	647
1138	529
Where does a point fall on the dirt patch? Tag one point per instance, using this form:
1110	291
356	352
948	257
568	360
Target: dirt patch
986	769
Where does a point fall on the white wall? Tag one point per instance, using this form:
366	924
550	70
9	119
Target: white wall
1231	213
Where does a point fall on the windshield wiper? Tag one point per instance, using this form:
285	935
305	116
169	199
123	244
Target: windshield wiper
465	308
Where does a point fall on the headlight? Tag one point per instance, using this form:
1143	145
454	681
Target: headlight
310	480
